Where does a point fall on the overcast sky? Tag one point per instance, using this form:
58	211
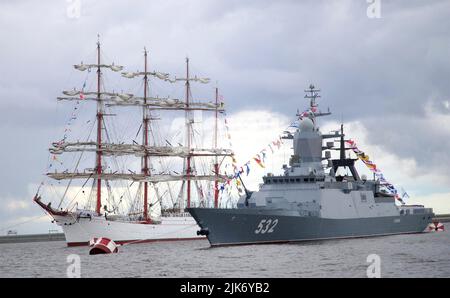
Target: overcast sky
387	78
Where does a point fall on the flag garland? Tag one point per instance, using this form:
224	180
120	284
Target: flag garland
69	123
373	168
306	113
258	159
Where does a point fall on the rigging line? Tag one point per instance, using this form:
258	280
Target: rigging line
170	188
170	193
90	56
116	162
129	123
227	133
85	80
139	130
180	197
171	196
124	159
160	197
44	179
158	201
74	114
23	222
90	197
76	167
110	197
199	196
223	159
76	195
136	201
156	89
204	163
163	162
53	189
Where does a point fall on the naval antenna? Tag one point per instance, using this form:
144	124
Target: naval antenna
342	144
247	193
313	94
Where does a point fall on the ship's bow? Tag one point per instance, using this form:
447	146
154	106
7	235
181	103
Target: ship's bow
237	226
210	222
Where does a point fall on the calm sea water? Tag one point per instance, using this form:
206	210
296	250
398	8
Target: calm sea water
418	255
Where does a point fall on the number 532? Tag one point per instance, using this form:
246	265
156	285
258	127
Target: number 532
266	226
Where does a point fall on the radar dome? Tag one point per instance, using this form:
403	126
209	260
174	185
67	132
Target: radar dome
306	124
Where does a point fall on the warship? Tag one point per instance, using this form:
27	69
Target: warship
311	200
111	199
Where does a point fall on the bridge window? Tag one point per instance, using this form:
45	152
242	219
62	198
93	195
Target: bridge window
363	198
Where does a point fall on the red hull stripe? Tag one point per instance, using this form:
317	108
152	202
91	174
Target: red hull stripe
72	244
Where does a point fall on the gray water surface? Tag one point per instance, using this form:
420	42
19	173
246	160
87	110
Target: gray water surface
415	255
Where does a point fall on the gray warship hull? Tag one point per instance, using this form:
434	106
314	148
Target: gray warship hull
256	226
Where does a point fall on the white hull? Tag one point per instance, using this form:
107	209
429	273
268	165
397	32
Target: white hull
79	232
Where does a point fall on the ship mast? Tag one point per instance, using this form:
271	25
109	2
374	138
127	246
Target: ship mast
216	163
145	121
145	150
314	94
99	134
188	136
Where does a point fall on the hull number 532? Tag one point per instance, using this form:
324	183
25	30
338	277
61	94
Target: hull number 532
266	226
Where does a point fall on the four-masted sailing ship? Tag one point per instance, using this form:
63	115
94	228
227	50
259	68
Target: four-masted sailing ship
144	218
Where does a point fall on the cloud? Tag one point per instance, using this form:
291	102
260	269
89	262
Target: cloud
389	75
20	214
15	205
438	201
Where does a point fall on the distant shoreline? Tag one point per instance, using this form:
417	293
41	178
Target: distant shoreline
442	217
32	238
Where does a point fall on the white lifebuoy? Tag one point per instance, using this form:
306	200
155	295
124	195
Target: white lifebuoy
435	227
102	245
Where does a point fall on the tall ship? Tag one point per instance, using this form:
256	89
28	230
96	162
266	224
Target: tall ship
126	183
312	200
